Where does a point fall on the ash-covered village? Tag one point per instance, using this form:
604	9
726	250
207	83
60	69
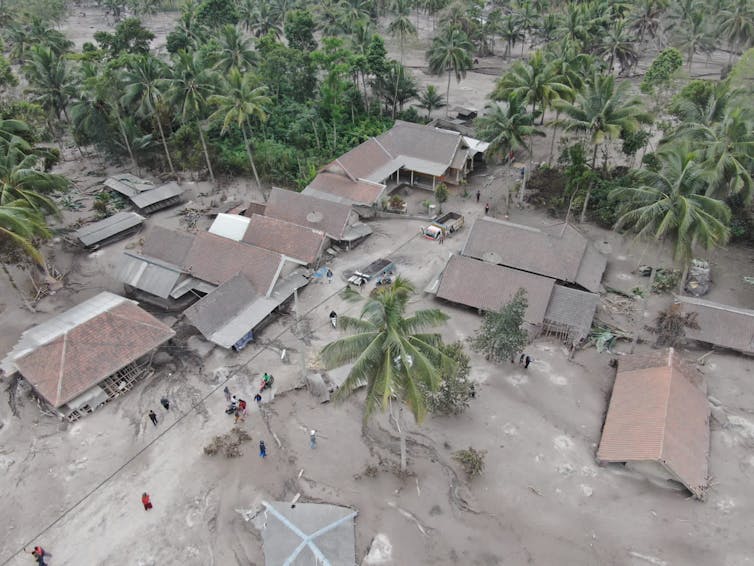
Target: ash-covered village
376	283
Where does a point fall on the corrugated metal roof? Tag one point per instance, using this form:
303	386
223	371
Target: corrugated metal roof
128	185
355	231
720	325
164	192
657	414
231	226
171	246
149	274
108	227
488	287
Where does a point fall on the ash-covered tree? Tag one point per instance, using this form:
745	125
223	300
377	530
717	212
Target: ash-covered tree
129	37
501	335
452	397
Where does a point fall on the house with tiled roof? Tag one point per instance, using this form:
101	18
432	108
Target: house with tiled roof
87	356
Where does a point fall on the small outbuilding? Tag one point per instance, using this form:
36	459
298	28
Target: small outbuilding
719	325
658	421
87	356
143	194
304	534
108	230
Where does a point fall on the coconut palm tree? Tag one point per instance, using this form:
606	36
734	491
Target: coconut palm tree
618	46
22	183
49	81
391	354
189	87
645	18
535	81
145	79
21	226
233	50
736	25
507	127
510	31
401	26
240	101
670	204
695	35
602	110
451	53
430	99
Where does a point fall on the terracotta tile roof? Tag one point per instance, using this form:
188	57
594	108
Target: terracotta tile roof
566	258
720	325
364	162
298	242
331	217
487	286
657	414
254	208
216	259
167	245
83	355
340	188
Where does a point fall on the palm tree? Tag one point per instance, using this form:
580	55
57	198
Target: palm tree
240	102
535	81
510	32
233	50
401	26
21	226
391	355
15	132
602	110
22	183
618	45
451	53
670	204
190	86
507	127
430	99
49	81
145	80
737	25
695	35
527	18
353	12
645	18
726	151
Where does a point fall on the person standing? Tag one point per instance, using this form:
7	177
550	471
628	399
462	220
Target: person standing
146	501
262	449
227	394
165	403
258	399
527	361
312	438
333	319
39	553
486	209
329	275
441	238
153	417
478	194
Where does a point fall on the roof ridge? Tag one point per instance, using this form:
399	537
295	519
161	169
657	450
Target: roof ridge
666	405
59	388
141	322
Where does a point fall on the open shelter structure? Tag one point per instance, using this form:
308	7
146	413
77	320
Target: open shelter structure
144	195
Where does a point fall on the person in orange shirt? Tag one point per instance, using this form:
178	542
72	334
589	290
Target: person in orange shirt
145	501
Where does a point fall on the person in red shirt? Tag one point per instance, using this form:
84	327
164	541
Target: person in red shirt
146	501
39	553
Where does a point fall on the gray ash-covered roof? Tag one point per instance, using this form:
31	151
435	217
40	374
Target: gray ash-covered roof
331	217
109	228
572	308
720	325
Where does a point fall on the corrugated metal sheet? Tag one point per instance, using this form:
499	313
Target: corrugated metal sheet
108	227
657	414
191	284
149	274
356	231
720	325
164	192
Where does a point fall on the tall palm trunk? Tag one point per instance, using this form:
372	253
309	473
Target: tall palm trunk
122	128
251	161
206	153
554	135
165	147
591	184
447	95
398	422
